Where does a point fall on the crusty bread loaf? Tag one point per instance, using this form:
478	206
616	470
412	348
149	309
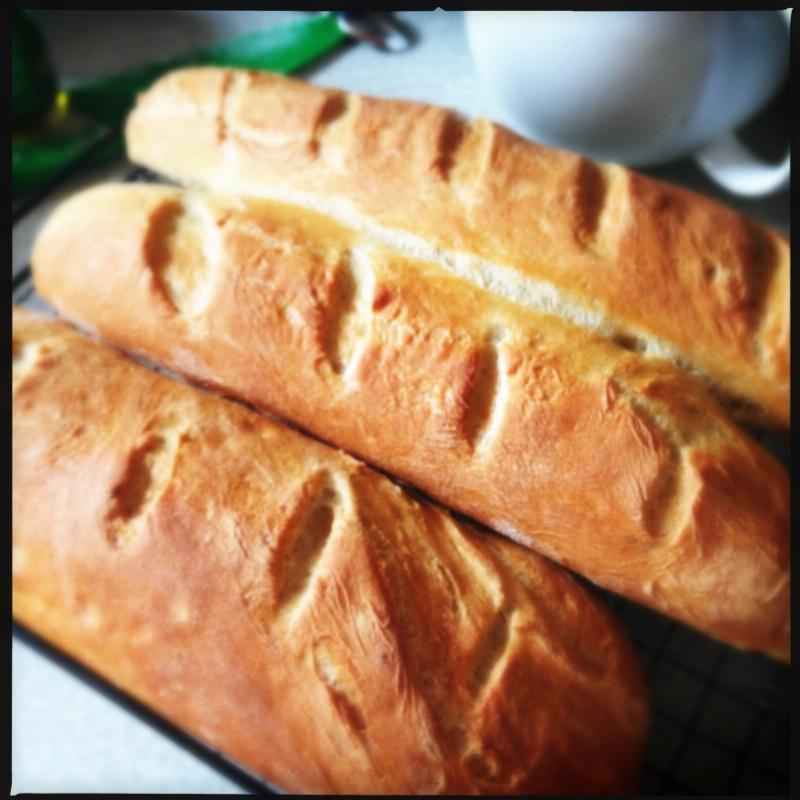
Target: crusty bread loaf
655	268
620	467
293	608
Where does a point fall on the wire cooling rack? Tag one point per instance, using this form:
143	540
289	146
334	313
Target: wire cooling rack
720	717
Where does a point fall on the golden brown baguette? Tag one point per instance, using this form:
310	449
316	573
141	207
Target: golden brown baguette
291	607
620	467
658	269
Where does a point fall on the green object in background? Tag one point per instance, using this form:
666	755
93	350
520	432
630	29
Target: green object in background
106	101
283	48
33	79
37	161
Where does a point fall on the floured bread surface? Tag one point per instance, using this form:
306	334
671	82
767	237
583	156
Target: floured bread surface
291	607
653	267
618	466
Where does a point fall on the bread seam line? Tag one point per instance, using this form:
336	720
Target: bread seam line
361	270
502	280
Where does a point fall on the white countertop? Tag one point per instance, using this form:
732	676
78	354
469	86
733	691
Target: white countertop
66	737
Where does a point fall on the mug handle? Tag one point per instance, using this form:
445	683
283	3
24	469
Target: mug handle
728	162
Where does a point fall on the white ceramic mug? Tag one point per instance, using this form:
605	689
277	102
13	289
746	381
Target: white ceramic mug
639	87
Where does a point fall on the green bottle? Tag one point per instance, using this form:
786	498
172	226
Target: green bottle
33	79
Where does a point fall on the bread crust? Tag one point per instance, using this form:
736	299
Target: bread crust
291	607
619	467
652	266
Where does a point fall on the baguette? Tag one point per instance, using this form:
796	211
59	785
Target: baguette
291	607
655	268
619	467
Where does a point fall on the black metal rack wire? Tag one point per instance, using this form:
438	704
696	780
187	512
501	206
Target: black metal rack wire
720	717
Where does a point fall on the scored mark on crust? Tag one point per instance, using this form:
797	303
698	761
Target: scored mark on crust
146	475
590	200
333	109
669	497
669	503
454	129
331	137
488	390
599	194
491	652
465	151
304	541
342	699
765	262
349	314
182	247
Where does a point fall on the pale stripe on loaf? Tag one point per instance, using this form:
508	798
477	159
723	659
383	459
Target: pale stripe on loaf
456	192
